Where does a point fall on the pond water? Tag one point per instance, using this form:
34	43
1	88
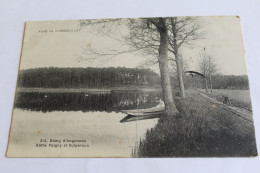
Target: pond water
92	118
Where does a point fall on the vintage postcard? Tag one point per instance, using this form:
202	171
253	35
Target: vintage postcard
146	87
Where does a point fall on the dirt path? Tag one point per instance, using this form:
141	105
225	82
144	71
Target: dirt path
241	112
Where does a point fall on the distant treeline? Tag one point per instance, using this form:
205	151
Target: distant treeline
87	77
54	77
230	82
219	82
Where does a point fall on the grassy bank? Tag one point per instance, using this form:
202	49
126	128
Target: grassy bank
200	129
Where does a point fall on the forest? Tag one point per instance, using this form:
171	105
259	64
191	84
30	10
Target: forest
54	77
87	77
219	82
230	82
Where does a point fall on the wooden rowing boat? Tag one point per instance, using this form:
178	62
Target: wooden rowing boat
145	112
130	118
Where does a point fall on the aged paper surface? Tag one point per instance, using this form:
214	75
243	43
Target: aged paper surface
148	87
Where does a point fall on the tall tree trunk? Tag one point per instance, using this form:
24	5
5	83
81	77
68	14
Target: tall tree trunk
180	76
210	81
206	84
170	108
177	59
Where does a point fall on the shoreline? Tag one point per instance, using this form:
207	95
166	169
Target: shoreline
79	90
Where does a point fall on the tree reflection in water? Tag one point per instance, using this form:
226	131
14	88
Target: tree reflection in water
114	101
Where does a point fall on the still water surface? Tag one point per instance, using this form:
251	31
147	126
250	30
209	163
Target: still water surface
91	117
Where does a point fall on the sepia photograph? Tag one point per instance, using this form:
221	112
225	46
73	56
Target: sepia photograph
133	87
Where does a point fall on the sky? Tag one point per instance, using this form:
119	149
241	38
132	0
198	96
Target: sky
224	42
47	45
